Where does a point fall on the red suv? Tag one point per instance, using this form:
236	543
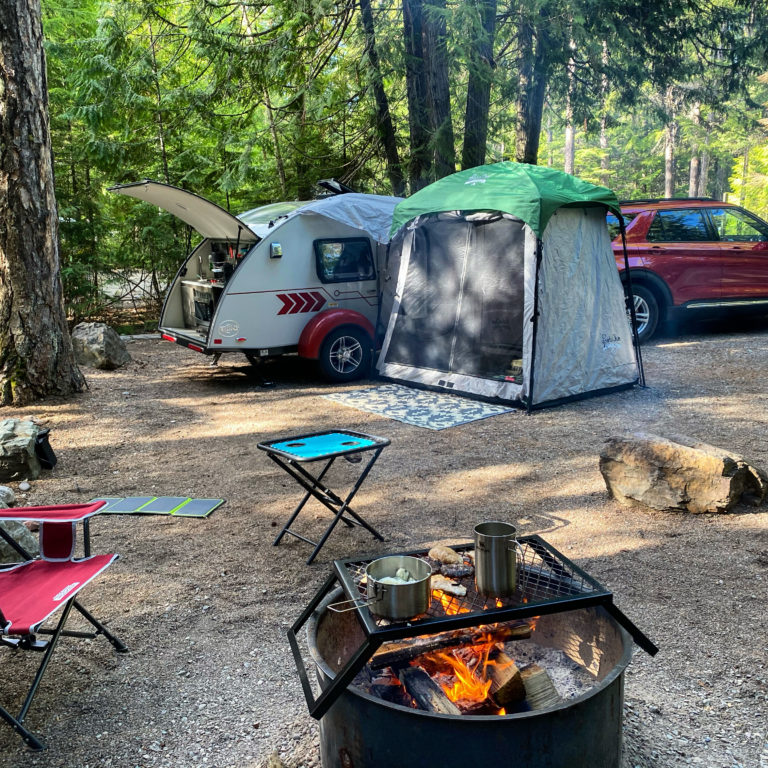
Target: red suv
691	254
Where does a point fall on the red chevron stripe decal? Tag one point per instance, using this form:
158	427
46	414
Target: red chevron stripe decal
319	301
303	301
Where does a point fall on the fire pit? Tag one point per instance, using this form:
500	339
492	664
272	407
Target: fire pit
361	730
504	714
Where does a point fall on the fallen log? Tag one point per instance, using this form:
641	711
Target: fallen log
426	692
507	685
397	653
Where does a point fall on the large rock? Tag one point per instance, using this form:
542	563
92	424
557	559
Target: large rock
18	460
681	474
98	346
20	533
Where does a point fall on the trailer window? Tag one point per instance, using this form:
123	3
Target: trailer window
344	260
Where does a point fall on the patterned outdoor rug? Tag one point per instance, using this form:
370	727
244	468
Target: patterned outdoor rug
432	410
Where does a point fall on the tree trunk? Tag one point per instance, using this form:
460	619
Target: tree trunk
570	149
695	167
36	357
276	141
420	167
384	125
744	176
479	88
701	191
533	45
436	61
159	114
604	175
670	142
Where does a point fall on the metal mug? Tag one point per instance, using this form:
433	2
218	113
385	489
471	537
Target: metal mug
496	549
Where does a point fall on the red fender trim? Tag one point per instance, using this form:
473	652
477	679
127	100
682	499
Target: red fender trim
323	323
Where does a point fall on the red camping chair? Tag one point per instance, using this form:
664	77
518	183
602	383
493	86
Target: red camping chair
33	590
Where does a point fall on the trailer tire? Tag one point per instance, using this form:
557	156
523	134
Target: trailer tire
345	354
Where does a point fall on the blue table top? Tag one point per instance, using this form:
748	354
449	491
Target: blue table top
323	445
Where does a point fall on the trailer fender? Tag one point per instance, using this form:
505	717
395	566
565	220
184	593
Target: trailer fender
322	324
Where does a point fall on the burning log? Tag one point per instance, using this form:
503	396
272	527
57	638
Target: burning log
540	691
386	685
507	685
426	692
398	653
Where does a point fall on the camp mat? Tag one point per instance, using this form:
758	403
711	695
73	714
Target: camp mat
432	410
178	506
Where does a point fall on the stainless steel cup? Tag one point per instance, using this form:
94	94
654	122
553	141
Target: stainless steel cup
496	559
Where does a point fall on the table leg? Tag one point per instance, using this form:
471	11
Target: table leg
345	508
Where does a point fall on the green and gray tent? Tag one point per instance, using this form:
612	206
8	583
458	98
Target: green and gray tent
501	283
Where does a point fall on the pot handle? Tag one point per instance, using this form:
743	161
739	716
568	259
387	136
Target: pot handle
356	604
515	545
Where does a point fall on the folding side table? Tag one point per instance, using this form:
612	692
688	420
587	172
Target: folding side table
293	453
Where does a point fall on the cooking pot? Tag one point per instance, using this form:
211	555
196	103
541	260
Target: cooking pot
393	601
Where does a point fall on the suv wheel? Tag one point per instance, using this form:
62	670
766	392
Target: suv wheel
646	312
345	354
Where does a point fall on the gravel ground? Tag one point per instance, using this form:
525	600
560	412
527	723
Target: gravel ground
204	604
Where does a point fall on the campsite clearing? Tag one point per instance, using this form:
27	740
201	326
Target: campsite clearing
204	604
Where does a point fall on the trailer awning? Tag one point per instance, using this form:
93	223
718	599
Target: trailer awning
202	215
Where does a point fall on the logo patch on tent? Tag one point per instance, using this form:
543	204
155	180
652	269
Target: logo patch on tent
475	179
64	592
610	341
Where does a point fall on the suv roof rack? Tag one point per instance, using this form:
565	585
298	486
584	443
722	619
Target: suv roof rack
669	200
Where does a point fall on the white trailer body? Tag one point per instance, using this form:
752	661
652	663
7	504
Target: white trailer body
287	277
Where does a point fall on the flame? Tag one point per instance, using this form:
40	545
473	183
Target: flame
499	604
463	672
450	604
470	684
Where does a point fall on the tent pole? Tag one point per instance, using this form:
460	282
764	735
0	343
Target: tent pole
535	321
631	302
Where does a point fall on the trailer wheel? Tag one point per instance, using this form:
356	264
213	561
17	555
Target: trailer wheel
345	354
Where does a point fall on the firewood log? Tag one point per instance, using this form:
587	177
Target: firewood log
401	652
506	681
426	692
540	691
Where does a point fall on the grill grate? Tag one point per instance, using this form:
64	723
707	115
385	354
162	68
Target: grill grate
547	583
543	576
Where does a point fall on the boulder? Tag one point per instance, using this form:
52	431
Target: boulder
683	474
7	496
22	535
18	460
98	346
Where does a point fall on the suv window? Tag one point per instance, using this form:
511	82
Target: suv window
613	223
679	227
344	260
734	226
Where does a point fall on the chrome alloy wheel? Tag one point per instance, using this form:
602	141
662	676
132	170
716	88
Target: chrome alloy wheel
346	354
642	313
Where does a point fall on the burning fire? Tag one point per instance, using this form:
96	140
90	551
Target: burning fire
450	604
463	674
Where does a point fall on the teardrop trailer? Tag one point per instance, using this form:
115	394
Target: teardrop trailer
292	277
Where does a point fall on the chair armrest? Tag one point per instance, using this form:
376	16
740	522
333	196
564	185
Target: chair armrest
60	513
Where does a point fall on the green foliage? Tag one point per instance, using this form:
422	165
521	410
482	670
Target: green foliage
250	102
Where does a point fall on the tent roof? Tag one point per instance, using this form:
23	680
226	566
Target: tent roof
529	192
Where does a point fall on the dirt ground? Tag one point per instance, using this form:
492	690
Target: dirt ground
204	604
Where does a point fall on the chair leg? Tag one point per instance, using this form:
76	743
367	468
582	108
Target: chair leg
46	659
119	645
29	738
